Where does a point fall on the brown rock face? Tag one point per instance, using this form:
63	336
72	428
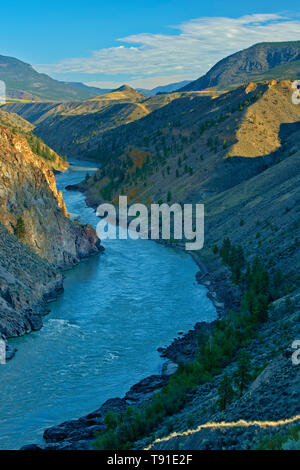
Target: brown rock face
36	237
29	197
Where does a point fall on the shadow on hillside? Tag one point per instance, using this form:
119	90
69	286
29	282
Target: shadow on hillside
235	169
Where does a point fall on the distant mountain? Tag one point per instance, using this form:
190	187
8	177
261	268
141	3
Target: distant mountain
164	88
263	61
171	87
23	82
90	89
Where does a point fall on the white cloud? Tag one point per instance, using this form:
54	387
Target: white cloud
198	44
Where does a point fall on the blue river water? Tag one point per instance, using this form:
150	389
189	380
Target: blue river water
102	334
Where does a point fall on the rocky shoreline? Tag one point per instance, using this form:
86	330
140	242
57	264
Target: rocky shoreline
34	317
21	316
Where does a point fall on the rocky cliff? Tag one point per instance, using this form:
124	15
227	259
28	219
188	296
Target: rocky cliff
33	209
26	283
36	236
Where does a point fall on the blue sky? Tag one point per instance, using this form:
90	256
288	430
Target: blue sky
140	43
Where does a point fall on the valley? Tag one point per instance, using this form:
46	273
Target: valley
228	140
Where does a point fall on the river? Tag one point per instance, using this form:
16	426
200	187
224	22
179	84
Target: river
102	334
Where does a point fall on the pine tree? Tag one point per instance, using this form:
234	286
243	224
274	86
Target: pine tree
243	375
20	228
226	392
225	250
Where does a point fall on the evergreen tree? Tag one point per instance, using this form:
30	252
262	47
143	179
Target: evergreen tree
225	250
243	375
20	228
226	392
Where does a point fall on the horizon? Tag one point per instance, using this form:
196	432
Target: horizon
143	46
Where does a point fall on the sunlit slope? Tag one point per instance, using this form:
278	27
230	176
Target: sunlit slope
19	126
196	146
76	128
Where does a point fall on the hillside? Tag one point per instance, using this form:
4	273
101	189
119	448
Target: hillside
76	128
188	157
270	60
23	82
18	125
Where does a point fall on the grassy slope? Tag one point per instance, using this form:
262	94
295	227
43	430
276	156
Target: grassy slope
77	127
18	125
184	147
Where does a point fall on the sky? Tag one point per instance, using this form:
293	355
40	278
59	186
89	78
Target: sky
141	43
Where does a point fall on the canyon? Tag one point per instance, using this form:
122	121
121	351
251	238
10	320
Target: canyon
234	149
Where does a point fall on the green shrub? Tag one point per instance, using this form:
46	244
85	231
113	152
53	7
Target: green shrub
20	228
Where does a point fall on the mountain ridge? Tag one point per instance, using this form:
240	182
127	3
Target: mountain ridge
249	64
24	82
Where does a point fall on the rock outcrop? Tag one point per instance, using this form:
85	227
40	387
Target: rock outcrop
37	238
26	284
28	197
